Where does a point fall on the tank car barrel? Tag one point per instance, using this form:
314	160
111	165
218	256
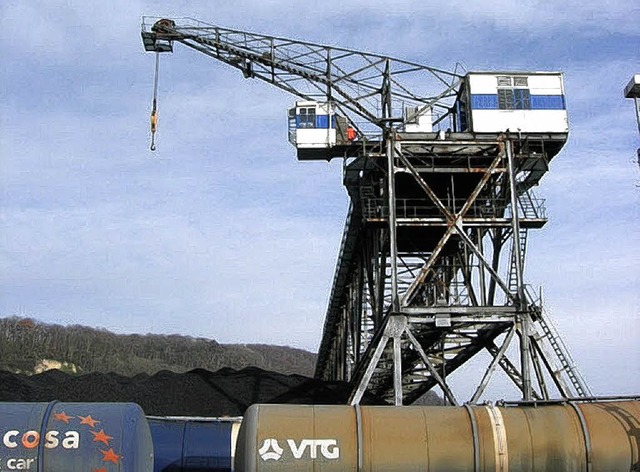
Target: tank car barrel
74	437
569	437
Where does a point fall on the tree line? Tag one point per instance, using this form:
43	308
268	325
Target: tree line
25	342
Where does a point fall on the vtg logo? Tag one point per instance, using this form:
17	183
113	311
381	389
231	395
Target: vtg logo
327	448
270	450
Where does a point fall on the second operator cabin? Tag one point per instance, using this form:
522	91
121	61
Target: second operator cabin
527	102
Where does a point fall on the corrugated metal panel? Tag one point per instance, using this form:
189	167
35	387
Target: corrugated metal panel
546	83
482	83
525	121
168	440
484	101
207	446
547	102
537	102
193	444
322	121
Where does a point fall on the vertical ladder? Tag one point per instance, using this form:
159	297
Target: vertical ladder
369	202
513	278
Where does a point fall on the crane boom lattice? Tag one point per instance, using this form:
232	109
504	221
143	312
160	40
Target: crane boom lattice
371	87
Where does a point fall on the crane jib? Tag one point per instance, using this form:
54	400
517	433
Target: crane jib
358	82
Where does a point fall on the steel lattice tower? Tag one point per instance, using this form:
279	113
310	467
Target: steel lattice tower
422	284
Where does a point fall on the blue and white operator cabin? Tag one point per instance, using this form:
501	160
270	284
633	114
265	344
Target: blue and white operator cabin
488	103
315	128
527	102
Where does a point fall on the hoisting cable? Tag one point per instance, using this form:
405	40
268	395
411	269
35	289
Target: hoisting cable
154	108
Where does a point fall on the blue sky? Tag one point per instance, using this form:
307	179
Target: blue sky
222	233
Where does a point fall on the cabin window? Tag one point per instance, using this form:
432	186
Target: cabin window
307	118
520	82
514	99
504	81
521	99
505	99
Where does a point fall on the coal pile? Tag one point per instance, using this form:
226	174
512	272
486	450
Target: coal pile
226	392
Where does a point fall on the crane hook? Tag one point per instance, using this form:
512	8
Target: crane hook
154	124
154	110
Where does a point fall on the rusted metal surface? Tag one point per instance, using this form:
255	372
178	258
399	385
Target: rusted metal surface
614	430
568	437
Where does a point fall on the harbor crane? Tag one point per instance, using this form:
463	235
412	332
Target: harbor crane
440	168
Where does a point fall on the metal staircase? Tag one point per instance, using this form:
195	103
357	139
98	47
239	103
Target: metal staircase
567	364
546	336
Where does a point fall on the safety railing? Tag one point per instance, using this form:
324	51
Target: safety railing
416	208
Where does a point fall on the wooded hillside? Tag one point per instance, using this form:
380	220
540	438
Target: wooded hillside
25	343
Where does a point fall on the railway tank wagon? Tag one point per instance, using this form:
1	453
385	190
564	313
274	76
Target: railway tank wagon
542	437
74	437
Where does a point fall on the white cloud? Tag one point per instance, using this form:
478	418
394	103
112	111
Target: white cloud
580	17
129	264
